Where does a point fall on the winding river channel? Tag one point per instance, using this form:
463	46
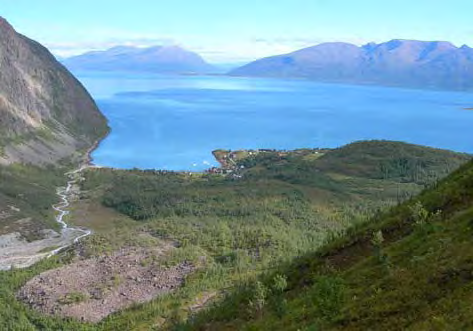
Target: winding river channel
17	253
64	194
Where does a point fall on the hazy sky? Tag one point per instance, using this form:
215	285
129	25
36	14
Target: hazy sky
229	31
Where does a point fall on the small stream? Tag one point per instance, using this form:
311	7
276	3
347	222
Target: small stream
63	194
19	253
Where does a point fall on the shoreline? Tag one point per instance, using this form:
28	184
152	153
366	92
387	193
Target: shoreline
88	153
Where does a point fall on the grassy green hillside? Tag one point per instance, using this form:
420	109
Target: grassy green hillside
264	220
26	195
408	269
284	205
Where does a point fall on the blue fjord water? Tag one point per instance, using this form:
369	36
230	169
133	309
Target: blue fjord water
174	122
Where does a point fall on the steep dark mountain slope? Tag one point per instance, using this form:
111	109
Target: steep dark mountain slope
158	59
45	113
47	120
405	63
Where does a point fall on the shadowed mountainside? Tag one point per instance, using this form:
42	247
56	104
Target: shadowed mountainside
45	113
47	122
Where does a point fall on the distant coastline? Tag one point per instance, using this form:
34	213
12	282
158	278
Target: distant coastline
252	114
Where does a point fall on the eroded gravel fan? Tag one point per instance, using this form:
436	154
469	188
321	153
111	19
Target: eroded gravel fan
45	113
91	289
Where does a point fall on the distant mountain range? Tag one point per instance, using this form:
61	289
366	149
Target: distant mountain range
405	63
161	59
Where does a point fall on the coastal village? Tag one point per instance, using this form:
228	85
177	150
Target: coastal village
234	163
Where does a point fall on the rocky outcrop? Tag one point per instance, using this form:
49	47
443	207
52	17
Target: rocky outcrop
404	63
45	113
90	290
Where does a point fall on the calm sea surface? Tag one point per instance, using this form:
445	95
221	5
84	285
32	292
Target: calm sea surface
174	122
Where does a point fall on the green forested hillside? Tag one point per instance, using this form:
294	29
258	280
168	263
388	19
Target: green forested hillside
284	205
408	269
389	160
26	195
265	220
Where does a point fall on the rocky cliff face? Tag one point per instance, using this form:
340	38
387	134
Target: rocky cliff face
45	113
405	63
